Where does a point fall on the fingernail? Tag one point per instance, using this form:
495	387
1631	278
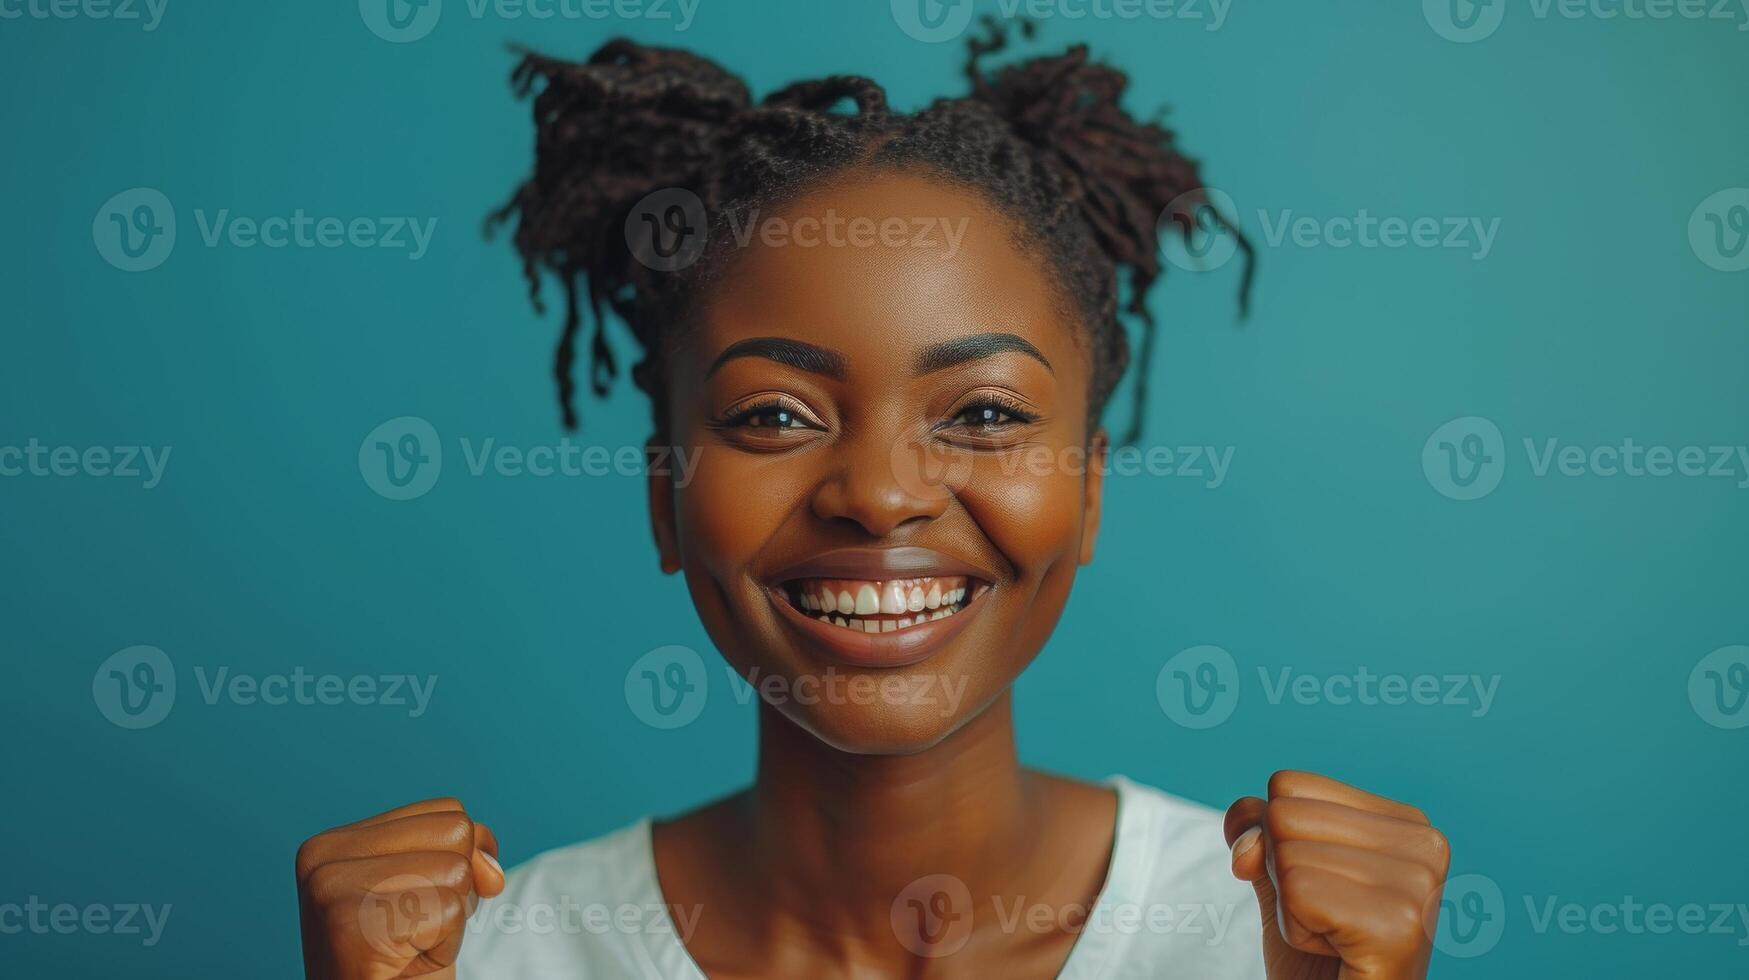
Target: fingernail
1245	841
493	862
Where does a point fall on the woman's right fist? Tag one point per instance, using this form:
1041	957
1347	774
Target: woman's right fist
389	896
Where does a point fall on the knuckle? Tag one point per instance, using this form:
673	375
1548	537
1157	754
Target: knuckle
1426	880
308	856
454	871
1292	886
1287	853
1283	782
1402	918
453	829
1438	849
1297	935
325	885
1278	820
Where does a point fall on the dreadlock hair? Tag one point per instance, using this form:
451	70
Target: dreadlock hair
1045	141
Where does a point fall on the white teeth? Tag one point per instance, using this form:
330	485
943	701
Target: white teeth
893	598
907	602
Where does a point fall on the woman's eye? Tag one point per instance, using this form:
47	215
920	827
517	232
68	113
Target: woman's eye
988	416
772	418
769	418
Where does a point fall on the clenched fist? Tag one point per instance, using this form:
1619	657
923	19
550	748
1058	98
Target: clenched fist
1348	882
389	896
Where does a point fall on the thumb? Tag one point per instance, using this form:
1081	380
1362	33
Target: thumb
1244	831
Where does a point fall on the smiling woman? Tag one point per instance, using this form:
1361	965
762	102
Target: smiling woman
853	514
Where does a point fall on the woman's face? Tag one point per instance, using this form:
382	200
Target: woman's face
886	406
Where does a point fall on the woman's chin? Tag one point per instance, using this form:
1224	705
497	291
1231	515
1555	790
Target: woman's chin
871	729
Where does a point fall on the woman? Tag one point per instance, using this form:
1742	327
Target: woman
889	492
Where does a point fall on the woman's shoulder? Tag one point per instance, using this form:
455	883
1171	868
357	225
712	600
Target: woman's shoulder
589	909
1170	905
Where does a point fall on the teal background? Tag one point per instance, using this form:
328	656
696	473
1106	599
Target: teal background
1591	779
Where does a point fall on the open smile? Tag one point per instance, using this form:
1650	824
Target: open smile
880	607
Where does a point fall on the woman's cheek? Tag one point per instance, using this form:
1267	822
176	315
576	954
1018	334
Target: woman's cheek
718	523
1030	508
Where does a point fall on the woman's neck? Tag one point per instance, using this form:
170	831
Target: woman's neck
841	835
800	874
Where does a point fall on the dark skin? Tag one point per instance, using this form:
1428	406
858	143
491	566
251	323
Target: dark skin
797	875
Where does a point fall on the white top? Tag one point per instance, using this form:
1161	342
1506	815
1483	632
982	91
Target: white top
1170	907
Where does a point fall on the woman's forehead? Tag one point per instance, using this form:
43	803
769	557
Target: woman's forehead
883	268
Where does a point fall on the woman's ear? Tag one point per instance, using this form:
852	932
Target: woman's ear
659	465
1092	492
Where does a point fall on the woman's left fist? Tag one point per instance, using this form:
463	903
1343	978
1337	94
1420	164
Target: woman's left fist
1348	882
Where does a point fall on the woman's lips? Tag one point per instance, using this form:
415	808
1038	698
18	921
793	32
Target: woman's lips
881	606
888	644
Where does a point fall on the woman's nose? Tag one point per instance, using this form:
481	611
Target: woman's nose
881	481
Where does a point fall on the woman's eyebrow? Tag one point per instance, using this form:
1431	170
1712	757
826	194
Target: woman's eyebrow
795	353
962	349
